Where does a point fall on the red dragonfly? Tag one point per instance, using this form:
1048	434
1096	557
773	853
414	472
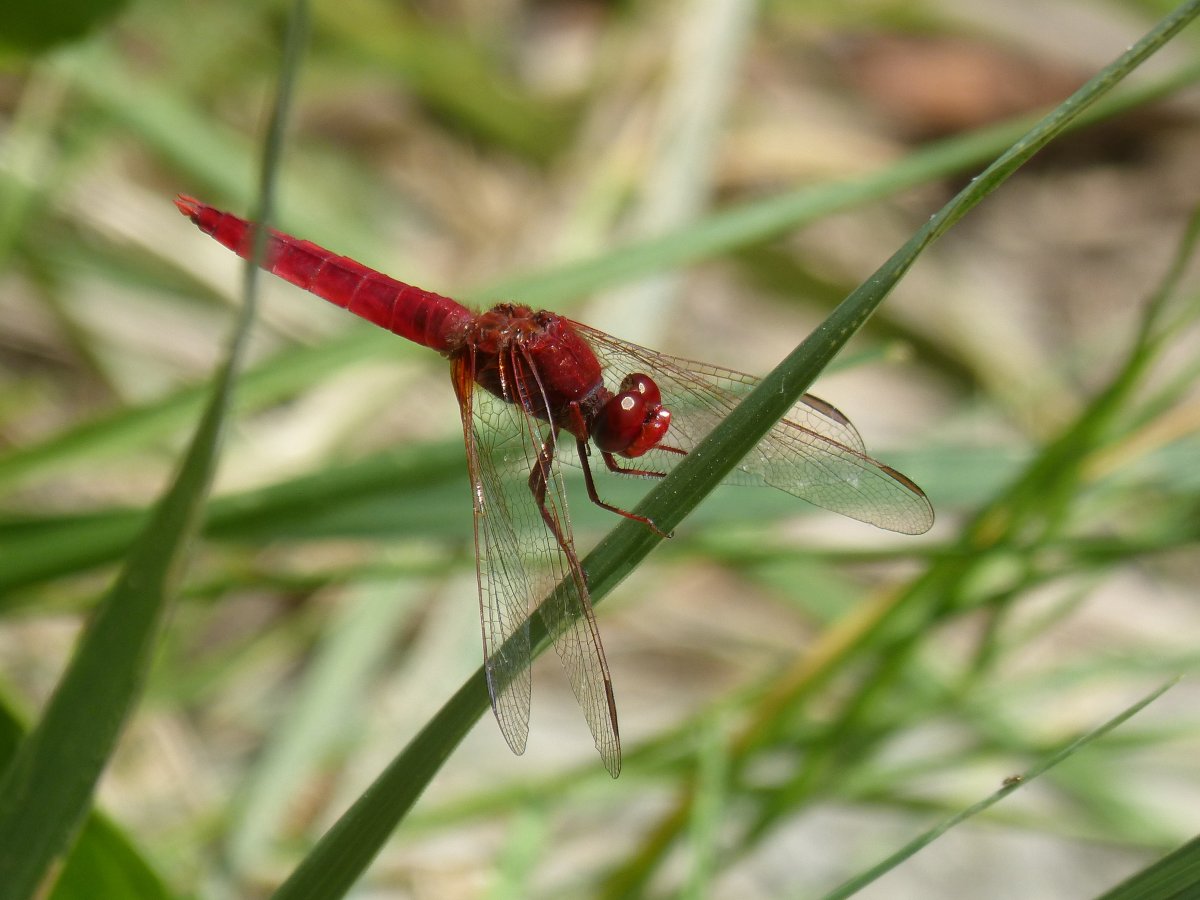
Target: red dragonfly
546	378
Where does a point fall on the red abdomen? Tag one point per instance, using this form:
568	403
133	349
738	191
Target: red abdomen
422	316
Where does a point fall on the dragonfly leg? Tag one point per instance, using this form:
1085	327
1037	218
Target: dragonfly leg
595	497
538	482
611	463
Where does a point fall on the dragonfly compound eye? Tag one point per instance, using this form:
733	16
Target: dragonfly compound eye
619	422
644	385
632	421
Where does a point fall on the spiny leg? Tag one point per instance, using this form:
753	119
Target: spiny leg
538	482
573	626
581	427
610	462
595	497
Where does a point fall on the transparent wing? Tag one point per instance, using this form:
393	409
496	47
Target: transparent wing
500	561
523	556
813	453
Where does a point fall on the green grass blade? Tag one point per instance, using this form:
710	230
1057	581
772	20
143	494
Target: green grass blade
856	884
1175	876
46	791
314	505
32	27
344	852
281	376
716	234
717	454
343	664
104	862
708	812
765	219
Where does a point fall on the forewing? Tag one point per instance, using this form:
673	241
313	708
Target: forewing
528	557
493	452
567	611
813	453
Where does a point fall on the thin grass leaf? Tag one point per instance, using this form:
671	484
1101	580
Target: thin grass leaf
344	853
329	503
1174	877
47	789
1026	514
719	233
708	812
103	862
856	884
30	27
762	220
340	673
527	845
281	376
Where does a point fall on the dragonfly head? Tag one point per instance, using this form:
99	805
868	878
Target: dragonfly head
632	421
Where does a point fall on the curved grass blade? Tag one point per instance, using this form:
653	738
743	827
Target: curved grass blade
345	851
30	28
104	862
1037	521
343	666
112	433
719	233
716	455
856	884
50	549
46	791
764	219
1176	875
